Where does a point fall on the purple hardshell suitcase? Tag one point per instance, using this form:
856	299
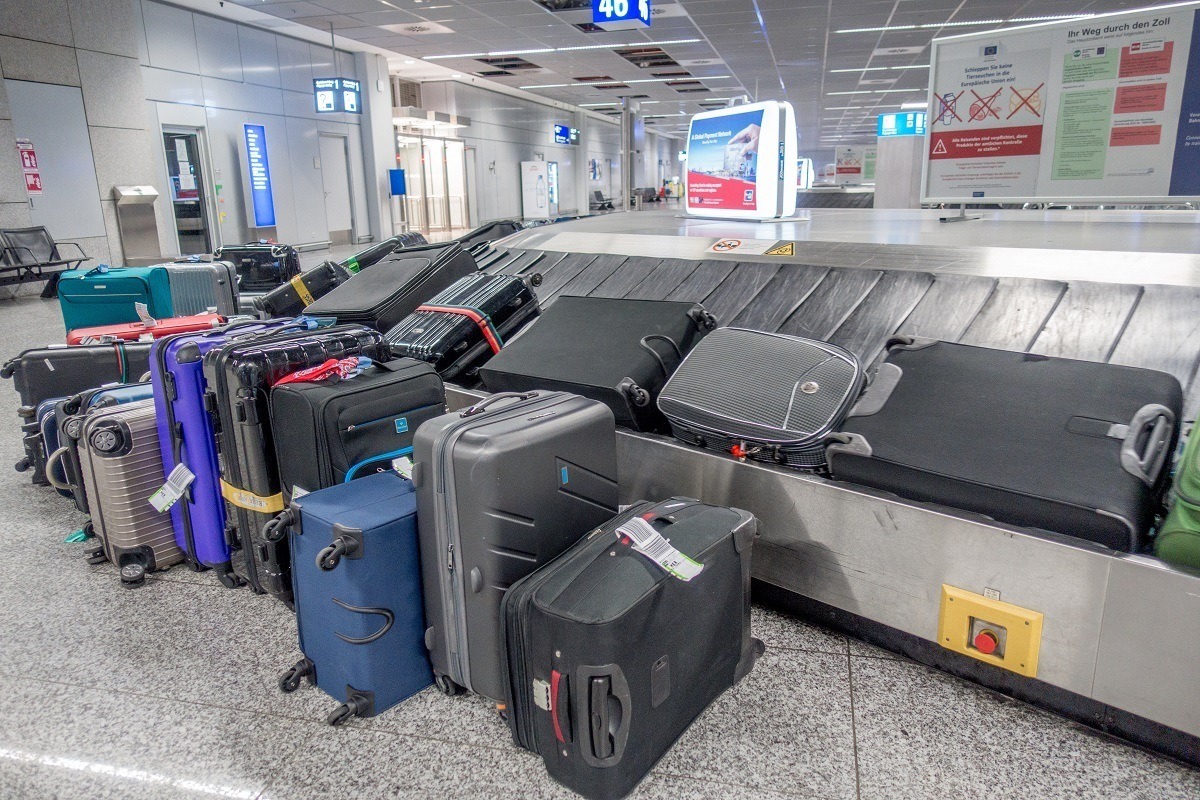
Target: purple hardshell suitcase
186	436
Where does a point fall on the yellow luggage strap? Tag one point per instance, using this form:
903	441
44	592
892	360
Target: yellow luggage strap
250	501
302	290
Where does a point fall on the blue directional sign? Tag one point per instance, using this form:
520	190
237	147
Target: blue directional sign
621	11
911	123
262	201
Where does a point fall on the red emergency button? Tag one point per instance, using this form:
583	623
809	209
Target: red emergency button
986	642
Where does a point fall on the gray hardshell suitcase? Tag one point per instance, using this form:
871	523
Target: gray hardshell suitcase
503	487
121	466
197	286
763	396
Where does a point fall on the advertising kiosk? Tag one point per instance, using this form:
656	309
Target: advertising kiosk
741	162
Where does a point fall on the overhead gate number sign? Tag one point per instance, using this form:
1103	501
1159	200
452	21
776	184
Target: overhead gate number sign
621	11
1100	108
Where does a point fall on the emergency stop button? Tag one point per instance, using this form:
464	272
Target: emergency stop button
986	642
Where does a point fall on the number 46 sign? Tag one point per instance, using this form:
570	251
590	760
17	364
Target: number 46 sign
627	11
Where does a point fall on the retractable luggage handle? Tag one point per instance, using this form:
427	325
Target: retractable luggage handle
1159	422
482	405
603	713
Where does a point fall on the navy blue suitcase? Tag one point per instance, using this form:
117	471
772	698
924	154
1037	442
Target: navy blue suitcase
356	576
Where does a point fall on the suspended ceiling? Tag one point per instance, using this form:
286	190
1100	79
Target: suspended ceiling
840	62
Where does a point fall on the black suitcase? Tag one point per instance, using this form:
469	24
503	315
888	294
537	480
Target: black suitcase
261	266
620	352
239	376
377	252
1072	447
388	292
489	233
466	324
611	656
502	488
43	373
289	299
333	432
777	397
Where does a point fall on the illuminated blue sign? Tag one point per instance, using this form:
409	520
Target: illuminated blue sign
261	198
621	11
562	134
911	123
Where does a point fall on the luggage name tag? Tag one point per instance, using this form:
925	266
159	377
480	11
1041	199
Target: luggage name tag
652	545
404	466
143	312
176	486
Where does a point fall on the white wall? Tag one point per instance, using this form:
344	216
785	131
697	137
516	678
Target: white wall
201	71
508	130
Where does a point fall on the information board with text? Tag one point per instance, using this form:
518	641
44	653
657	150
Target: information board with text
1101	108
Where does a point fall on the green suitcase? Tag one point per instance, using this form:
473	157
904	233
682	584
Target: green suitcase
107	295
1178	540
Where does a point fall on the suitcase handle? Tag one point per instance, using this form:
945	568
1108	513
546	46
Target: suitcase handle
604	711
1157	422
482	405
645	343
51	460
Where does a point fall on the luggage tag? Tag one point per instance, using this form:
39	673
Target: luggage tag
651	544
176	486
404	467
143	312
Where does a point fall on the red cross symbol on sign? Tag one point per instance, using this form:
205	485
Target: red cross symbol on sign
983	106
948	107
1026	101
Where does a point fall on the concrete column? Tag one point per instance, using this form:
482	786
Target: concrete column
898	171
378	141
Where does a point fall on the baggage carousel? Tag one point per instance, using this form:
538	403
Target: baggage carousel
1119	644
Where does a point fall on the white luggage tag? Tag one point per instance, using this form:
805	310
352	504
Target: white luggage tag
653	546
143	312
177	483
404	466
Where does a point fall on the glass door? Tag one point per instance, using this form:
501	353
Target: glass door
438	184
186	179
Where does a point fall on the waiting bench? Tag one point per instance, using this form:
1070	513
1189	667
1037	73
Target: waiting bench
31	254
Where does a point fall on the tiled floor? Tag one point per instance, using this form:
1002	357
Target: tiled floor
169	691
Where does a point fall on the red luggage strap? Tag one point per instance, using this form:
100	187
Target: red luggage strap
482	320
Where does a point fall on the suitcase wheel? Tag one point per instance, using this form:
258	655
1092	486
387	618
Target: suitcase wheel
22	465
229	580
535	280
639	396
289	681
359	705
133	575
96	556
447	686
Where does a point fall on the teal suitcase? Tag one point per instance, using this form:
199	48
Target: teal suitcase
106	295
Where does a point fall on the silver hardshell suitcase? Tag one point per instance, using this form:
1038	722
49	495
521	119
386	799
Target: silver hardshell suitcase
764	396
197	286
121	466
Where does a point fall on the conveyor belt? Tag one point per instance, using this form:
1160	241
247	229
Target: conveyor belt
844	300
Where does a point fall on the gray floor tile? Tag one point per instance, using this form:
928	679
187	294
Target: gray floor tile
863	650
924	734
203	644
783	631
786	727
466	719
67	741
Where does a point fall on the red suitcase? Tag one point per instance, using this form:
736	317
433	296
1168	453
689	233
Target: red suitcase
132	331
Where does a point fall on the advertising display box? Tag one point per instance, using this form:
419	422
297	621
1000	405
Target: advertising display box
741	162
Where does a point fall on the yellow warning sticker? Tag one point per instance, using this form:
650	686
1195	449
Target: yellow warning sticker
782	249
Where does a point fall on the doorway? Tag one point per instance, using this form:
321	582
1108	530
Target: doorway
439	184
189	195
335	180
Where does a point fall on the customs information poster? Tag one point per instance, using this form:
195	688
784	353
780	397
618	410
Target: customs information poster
1107	107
